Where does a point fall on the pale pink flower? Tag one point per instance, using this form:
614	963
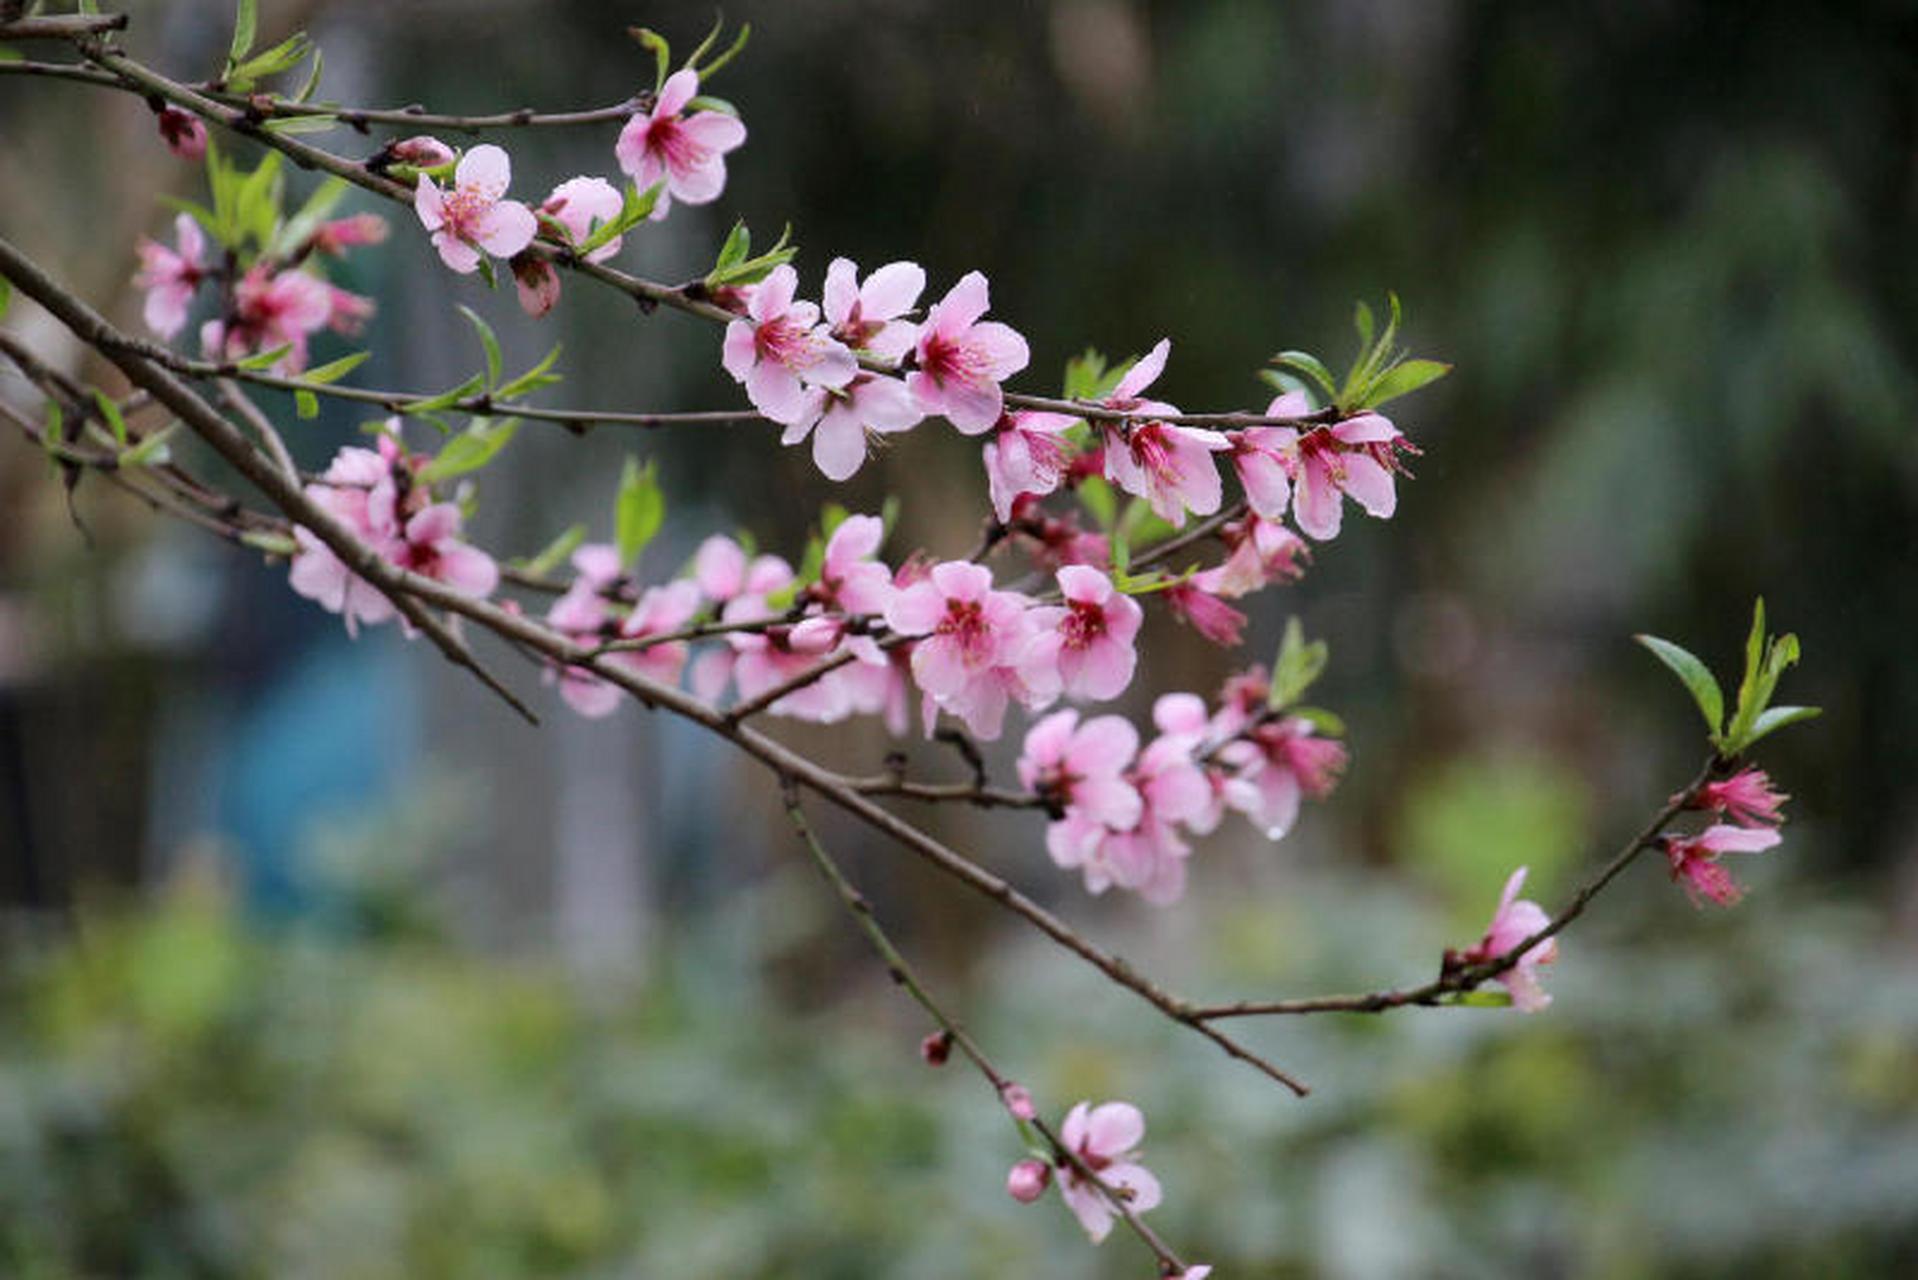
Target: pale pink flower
1169	466
968	627
1261	551
723	572
1106	1140
960	360
475	215
1085	646
431	547
660	611
850	580
171	278
1150	857
1080	768
867	317
780	349
584	616
1694	860
1282	760
687	151
1028	1180
581	205
183	134
838	419
1026	453
1747	798
1516	920
764	660
334	238
358	490
1354	458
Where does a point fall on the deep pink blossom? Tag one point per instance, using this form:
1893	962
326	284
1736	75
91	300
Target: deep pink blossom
839	418
687	151
1081	768
271	309
1694	860
1169	466
475	215
1083	647
1018	1100
869	316
1515	920
780	349
1106	1140
431	547
1747	798
1193	602
171	277
968	627
1354	458
1027	453
1028	1180
1261	551
936	1048
183	133
960	360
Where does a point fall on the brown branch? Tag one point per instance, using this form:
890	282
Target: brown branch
69	26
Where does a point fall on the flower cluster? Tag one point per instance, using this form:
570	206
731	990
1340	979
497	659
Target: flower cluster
1750	812
379	496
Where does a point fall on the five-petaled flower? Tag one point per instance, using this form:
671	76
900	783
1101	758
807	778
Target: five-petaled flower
1083	647
1747	798
961	360
1694	860
1105	1139
687	151
170	277
780	349
475	215
1516	920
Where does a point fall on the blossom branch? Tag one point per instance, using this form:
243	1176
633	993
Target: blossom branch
901	972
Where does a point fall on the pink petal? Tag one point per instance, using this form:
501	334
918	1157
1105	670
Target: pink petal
892	290
506	228
1370	485
428	204
1144	373
839	445
841	290
916	610
1113	1129
680	88
455	252
485	168
963	304
775	392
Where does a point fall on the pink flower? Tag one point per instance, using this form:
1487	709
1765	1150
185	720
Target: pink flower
1747	798
1259	456
688	151
421	151
431	547
780	349
1026	453
1354	458
334	238
183	134
1028	1180
1018	1100
1106	1140
1150	857
1262	551
838	419
961	360
170	278
1080	768
358	490
867	317
1084	647
850	580
580	205
1171	467
1192	601
475	215
723	573
1694	860
1516	920
1282	760
972	634
280	309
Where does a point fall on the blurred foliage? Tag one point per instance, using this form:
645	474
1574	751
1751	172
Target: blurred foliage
181	1095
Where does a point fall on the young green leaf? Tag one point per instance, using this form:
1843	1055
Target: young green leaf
639	510
6	296
470	450
733	251
661	51
265	359
533	379
1401	379
301	226
245	22
488	340
1695	676
718	64
556	550
334	370
1297	666
1096	496
306	404
312	83
1311	366
152	451
445	400
1772	719
111	413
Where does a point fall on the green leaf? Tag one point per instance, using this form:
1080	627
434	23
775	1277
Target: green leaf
1772	719
9	54
301	124
489	340
273	544
718	64
1362	321
831	516
1311	366
712	37
1324	721
334	370
111	413
244	24
151	451
706	102
265	359
1695	676
1087	377
1402	379
445	400
283	56
738	243
312	77
1096	496
556	550
55	433
311	214
1296	667
6	296
306	404
638	206
662	53
751	270
639	510
533	379
470	450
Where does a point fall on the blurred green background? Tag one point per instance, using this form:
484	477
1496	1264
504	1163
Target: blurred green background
318	963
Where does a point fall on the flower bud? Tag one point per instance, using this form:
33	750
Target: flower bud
1027	1180
537	283
1018	1100
183	134
936	1048
422	151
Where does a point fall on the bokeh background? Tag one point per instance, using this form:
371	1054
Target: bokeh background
317	962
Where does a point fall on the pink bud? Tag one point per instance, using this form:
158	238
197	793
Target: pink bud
183	134
936	1048
422	150
536	282
1028	1180
1018	1100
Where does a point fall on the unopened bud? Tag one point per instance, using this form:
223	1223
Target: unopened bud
183	134
1028	1180
1018	1100
936	1048
423	151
